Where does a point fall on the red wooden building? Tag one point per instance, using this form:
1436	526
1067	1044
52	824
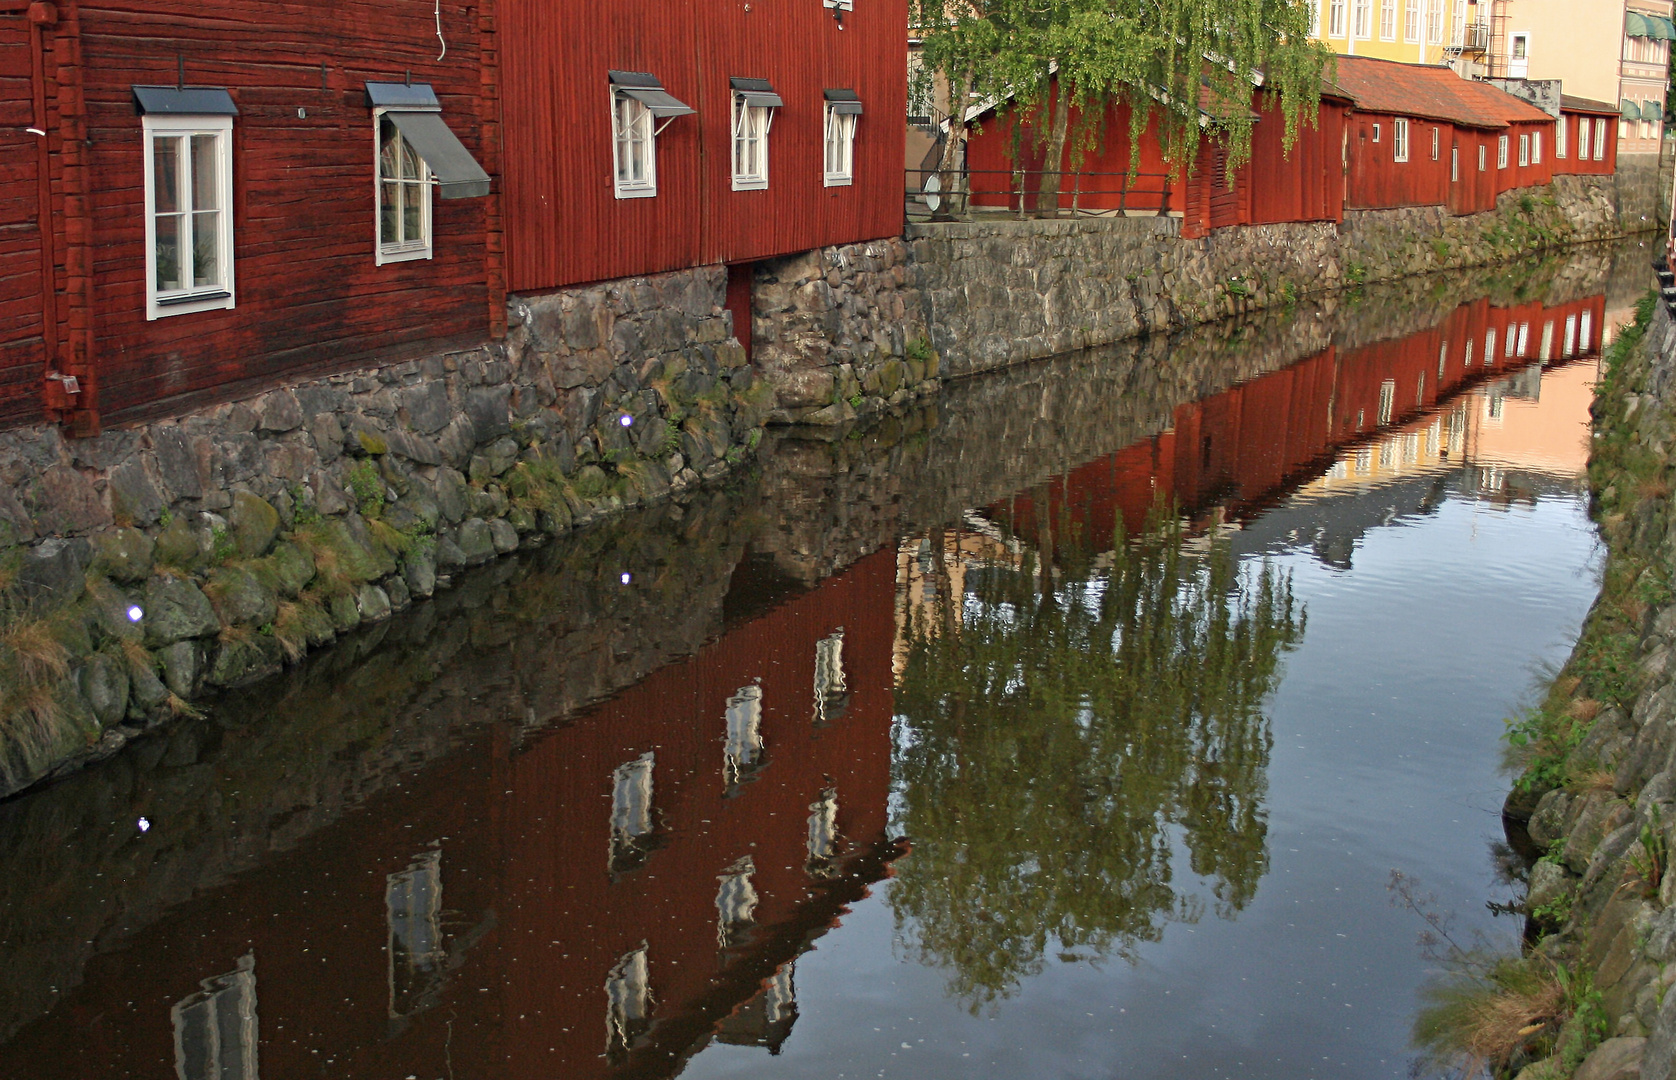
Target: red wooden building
216	218
1586	137
730	132
1423	136
284	191
1274	186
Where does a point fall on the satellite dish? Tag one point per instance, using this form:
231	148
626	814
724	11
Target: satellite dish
931	187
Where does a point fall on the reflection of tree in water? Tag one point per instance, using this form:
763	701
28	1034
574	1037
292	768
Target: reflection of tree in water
1058	742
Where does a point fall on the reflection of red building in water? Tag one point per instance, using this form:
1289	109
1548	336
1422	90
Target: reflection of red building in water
604	900
1243	446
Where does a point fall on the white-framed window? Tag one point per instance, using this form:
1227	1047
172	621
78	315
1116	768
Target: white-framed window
404	194
1501	151
1388	20
1560	131
1600	139
1536	148
1482	157
750	144
1623	129
1434	22
1454	164
1524	150
1362	18
1376	132
1314	18
1335	18
843	109
189	213
1519	55
1411	21
1437	142
633	148
1399	139
638	104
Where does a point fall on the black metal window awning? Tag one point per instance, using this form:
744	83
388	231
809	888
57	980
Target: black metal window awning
417	114
184	101
756	93
844	102
648	90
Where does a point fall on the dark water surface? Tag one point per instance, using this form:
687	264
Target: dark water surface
931	749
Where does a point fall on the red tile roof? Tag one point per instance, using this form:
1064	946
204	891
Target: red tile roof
1586	105
1432	92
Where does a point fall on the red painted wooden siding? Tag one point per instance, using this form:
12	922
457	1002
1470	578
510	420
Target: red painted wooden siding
1572	163
309	296
990	159
563	221
22	296
1378	180
1306	184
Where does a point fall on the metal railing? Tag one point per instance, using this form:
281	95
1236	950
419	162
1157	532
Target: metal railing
962	193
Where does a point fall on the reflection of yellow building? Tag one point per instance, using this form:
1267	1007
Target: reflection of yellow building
1535	422
931	572
1411	31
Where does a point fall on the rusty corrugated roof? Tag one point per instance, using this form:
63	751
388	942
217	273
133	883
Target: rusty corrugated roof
1430	91
1569	103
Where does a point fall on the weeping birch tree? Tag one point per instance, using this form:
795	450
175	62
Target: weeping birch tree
1165	58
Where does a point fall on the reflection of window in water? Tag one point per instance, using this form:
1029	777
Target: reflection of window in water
823	834
631	812
1420	391
742	749
1434	435
1584	328
1507	348
1493	405
1388	454
830	699
215	1028
1524	339
1547	352
1570	348
1489	344
628	1004
413	911
1387	400
766	1019
1442	360
1469	355
1364	460
736	903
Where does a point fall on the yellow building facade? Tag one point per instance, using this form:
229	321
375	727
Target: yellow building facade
1410	31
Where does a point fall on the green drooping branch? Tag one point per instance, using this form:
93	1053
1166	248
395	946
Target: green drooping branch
1190	63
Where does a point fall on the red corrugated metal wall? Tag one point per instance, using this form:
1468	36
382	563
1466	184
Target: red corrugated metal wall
309	295
563	222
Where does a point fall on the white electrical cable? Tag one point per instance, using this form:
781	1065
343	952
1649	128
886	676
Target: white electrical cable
439	36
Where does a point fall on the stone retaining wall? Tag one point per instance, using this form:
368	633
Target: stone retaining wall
154	564
1005	291
1600	798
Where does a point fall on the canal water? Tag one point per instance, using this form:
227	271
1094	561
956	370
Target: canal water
1071	725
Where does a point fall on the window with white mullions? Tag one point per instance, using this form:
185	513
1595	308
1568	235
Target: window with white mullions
843	109
189	223
640	109
1399	139
404	196
754	102
637	166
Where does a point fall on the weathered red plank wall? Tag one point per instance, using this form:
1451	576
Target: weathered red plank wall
309	297
1306	184
23	325
1378	180
563	222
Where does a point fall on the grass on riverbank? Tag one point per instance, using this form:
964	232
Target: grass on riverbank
1630	479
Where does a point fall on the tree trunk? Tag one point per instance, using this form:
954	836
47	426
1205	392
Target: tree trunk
1059	124
949	173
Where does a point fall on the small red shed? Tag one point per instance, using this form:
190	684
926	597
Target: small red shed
1586	137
